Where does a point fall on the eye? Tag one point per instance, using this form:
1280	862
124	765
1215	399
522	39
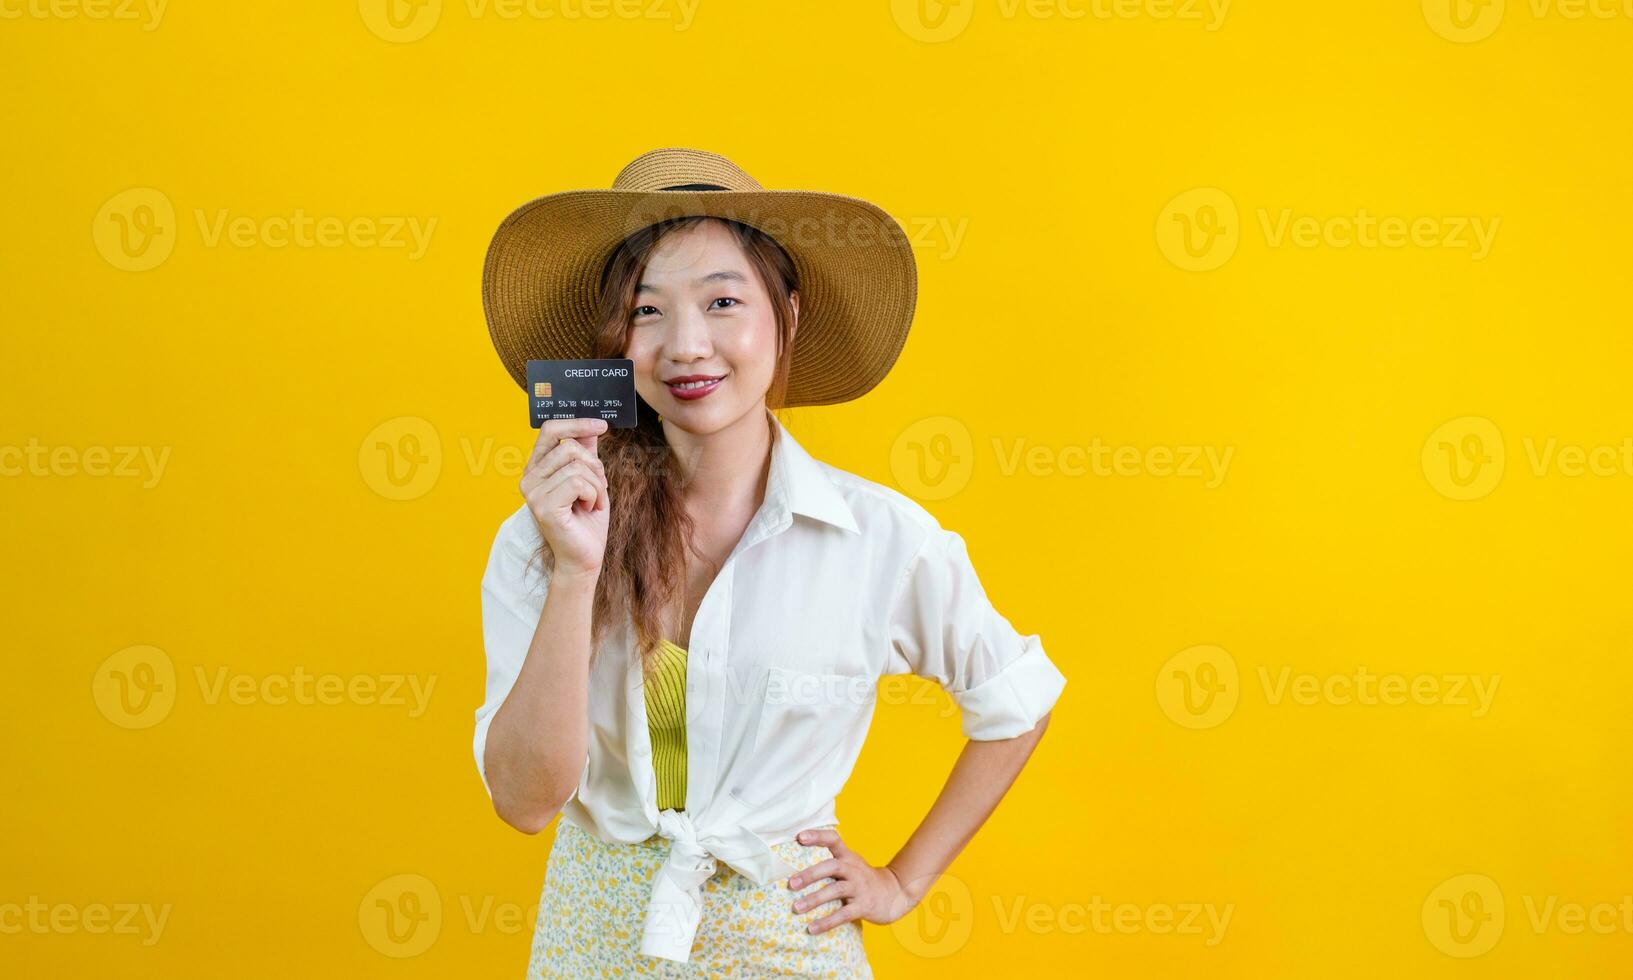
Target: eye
726	299
641	311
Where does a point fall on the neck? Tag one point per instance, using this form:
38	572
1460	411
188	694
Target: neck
728	469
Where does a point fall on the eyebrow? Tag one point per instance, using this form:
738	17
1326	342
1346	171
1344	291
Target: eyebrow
724	275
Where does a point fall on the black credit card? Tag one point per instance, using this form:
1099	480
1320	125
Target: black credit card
588	389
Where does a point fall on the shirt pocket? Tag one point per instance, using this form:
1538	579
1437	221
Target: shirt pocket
802	717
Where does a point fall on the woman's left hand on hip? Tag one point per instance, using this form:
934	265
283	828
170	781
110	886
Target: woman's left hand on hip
869	893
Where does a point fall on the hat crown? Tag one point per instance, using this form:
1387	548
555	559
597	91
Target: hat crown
675	168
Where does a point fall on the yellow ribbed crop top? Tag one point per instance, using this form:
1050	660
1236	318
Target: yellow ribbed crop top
666	720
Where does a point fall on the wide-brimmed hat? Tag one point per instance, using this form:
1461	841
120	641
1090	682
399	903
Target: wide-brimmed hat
858	281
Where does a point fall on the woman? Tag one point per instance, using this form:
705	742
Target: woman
686	621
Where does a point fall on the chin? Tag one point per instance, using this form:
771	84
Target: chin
702	418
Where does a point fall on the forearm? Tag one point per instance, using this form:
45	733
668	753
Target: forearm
538	740
982	775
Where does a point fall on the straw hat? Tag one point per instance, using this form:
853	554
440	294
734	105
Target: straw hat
858	281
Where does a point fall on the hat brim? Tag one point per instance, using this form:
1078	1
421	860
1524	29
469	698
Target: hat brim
858	279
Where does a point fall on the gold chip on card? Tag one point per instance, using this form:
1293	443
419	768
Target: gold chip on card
541	389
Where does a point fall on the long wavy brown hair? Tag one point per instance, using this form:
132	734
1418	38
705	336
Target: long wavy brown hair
643	575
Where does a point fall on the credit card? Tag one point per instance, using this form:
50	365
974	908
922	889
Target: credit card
587	389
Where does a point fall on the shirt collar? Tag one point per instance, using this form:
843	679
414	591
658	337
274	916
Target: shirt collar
798	484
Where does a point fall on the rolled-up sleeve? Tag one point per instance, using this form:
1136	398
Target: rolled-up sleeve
513	591
943	627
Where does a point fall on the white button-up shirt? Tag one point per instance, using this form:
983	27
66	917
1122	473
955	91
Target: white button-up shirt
836	582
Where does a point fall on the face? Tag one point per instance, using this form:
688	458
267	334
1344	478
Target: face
703	334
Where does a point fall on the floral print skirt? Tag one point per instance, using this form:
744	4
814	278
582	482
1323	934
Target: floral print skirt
594	903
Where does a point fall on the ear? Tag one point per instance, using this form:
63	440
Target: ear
793	300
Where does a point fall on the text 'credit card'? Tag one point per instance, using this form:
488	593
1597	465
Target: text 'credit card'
586	389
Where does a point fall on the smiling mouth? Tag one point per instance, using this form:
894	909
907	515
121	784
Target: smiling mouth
693	386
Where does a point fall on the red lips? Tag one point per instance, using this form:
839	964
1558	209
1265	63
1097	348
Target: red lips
693	393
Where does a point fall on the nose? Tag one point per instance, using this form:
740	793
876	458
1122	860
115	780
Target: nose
688	337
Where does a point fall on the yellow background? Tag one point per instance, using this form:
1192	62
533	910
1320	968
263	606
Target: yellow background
1033	158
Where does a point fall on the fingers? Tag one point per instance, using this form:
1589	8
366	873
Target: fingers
572	483
561	439
546	487
844	887
567	458
846	914
816	872
555	430
824	838
547	456
832	893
